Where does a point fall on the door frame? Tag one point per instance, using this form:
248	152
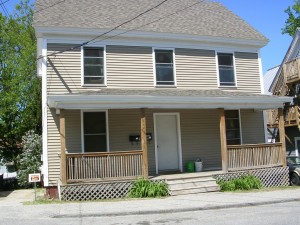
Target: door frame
177	114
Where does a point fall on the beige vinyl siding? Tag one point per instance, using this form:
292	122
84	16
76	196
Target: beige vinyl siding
64	69
132	67
201	137
196	68
247	72
129	67
252	124
53	147
73	131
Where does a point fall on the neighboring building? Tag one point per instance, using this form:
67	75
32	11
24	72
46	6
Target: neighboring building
187	73
286	83
269	78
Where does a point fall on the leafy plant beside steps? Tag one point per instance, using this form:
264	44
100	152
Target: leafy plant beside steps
246	182
144	188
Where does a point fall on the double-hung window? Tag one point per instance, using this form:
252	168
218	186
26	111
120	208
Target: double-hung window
164	67
93	66
94	131
233	133
226	69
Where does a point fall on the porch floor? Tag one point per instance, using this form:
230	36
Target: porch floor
186	175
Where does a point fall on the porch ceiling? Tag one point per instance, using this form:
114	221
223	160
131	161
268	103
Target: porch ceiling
165	98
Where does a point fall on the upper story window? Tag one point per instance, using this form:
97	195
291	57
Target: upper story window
226	69
164	67
93	63
233	132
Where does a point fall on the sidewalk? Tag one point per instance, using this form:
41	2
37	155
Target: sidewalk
205	201
173	204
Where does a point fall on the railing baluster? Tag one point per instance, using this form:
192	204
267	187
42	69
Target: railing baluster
87	166
251	156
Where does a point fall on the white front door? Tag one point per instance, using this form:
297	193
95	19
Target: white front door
167	140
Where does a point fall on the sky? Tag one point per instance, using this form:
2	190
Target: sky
266	16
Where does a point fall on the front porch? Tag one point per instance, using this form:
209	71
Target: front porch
137	133
112	166
129	165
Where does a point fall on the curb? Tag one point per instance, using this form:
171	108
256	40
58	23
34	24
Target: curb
202	208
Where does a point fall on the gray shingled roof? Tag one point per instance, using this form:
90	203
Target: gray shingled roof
169	92
108	98
206	18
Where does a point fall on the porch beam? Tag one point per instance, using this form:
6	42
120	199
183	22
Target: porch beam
63	159
223	140
282	136
144	144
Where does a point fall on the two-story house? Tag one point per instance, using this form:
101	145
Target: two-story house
138	88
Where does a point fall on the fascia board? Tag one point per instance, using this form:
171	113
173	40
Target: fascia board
90	33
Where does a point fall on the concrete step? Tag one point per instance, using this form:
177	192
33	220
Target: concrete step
192	184
187	191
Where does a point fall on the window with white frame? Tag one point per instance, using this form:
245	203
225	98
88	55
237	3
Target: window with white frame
164	67
94	132
233	132
93	65
226	69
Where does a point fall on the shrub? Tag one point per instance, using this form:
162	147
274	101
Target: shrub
144	188
30	158
246	182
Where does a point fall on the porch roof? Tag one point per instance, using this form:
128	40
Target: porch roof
107	98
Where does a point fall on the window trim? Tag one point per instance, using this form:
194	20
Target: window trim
240	124
154	67
104	66
234	69
82	127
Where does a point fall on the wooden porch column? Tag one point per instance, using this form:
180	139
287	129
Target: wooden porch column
63	159
144	144
282	135
223	140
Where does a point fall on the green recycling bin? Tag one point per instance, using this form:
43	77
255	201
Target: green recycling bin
190	167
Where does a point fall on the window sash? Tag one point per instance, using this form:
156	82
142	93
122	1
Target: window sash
164	67
226	70
93	65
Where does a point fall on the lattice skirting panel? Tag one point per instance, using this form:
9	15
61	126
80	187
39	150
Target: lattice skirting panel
96	191
270	177
83	192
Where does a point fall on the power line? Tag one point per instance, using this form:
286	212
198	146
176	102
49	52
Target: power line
128	21
168	15
4	8
2	3
50	6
